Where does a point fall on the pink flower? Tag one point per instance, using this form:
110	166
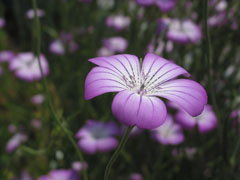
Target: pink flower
25	66
166	5
37	99
30	13
78	166
184	31
169	132
97	137
2	22
57	47
103	51
61	174
6	56
145	2
15	141
136	102
118	22
206	121
116	44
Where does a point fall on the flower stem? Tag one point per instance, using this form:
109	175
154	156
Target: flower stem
209	54
117	152
44	81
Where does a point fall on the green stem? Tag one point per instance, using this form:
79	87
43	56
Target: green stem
44	81
117	152
209	54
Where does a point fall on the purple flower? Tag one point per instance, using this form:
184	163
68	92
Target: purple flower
118	22
61	174
145	2
25	66
184	31
66	40
162	24
221	6
30	13
12	128
15	141
217	20
97	136
136	104
103	51
135	176
2	22
78	166
169	132
166	5
37	99
116	44
36	123
57	47
6	56
206	121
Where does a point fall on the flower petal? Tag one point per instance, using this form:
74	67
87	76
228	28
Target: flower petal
106	144
144	112
157	70
169	132
114	74
88	145
187	94
101	80
125	65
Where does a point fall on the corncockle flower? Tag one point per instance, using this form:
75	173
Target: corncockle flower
217	20
103	51
221	6
72	46
136	102
12	128
115	44
61	174
118	22
162	24
235	114
57	47
135	176
78	166
169	132
206	121
25	66
145	2
30	13
97	136
15	141
2	22
6	56
36	123
166	5
184	31
37	99
68	39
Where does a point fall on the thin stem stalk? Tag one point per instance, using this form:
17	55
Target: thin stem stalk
44	82
117	152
